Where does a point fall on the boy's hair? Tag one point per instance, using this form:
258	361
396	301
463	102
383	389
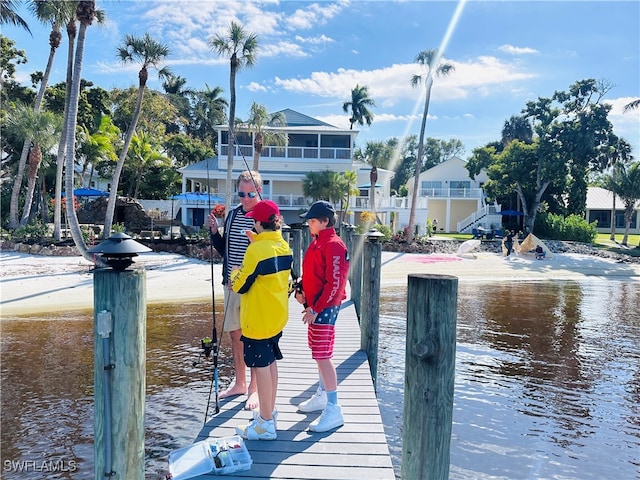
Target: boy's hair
331	220
250	176
274	223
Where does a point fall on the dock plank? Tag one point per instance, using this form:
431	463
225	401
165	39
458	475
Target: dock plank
357	450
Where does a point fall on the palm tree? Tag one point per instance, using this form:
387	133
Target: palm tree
148	53
143	156
346	186
517	128
259	119
619	155
42	129
208	111
56	13
627	185
359	104
86	13
8	15
98	148
241	48
632	105
429	59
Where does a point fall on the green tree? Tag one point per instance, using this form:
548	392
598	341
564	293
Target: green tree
143	156
430	60
517	128
572	137
148	53
241	48
57	14
99	148
359	105
258	124
318	185
208	110
42	129
185	150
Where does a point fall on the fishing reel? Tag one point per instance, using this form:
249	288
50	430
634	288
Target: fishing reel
295	286
206	345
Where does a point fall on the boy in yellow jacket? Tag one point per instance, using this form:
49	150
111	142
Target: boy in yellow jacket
263	282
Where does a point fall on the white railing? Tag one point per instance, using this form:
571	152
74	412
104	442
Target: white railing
451	192
308	153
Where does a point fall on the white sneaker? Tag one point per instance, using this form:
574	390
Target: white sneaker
331	418
258	429
315	403
274	414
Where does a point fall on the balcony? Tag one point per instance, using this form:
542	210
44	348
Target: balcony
298	153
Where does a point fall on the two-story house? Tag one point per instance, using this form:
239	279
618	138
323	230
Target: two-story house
446	191
312	145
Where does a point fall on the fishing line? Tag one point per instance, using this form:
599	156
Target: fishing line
213	345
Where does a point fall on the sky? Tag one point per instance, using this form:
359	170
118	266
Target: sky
313	53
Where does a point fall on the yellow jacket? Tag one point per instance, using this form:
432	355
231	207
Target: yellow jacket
263	281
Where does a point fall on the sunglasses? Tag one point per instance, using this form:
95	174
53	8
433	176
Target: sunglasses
249	194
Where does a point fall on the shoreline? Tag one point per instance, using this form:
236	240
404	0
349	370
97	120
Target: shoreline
35	284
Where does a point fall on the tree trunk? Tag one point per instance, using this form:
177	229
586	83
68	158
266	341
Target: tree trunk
57	212
231	141
72	218
418	169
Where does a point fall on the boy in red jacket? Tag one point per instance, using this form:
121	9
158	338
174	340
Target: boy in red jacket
324	279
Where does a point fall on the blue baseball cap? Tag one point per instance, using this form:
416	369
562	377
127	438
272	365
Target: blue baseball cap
320	209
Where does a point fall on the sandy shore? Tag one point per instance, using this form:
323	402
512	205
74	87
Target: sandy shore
31	284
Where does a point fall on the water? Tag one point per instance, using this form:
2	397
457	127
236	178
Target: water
547	380
547	384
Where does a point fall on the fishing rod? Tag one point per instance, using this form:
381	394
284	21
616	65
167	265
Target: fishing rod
213	345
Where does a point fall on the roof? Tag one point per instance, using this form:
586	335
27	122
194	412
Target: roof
602	199
297	119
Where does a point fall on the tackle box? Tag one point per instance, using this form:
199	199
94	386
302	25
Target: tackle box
220	456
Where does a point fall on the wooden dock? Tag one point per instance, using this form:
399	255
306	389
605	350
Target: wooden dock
357	450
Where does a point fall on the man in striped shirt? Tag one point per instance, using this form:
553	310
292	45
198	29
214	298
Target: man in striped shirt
232	245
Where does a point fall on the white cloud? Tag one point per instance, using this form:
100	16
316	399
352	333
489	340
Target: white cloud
256	87
483	77
513	50
317	40
314	14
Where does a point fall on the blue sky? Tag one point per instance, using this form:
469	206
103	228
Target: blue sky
312	53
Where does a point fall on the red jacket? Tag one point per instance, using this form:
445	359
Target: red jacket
324	271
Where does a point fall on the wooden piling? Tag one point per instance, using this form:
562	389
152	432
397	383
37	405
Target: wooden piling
429	376
355	272
370	305
123	293
296	249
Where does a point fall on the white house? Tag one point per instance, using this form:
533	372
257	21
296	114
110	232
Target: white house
312	146
448	195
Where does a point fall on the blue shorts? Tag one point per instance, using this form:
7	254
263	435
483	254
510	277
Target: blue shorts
261	353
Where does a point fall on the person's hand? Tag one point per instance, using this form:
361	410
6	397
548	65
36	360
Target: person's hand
299	295
212	223
250	235
309	316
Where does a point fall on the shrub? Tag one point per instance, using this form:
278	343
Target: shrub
572	228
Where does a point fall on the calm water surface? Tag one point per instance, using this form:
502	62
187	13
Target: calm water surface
547	384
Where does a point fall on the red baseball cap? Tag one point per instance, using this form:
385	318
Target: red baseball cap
263	211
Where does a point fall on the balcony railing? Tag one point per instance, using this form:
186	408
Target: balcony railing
308	153
451	192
